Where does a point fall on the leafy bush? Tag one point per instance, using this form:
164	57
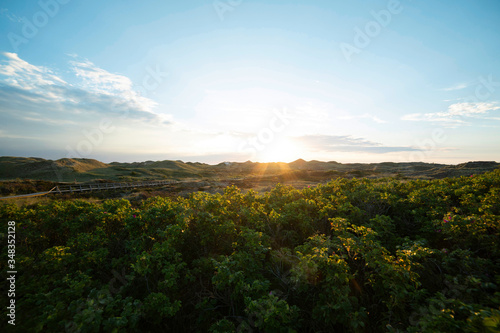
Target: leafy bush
353	255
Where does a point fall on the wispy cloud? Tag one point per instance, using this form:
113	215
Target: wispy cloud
50	121
21	74
458	86
5	134
432	117
26	88
100	81
456	113
365	116
334	143
471	109
334	140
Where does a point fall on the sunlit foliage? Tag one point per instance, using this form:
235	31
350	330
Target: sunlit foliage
349	256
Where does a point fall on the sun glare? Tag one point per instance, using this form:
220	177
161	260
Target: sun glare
280	150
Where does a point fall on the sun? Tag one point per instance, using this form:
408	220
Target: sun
279	150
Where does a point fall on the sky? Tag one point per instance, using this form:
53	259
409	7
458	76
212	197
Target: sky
236	80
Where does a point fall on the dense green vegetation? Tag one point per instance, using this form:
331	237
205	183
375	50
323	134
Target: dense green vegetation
353	255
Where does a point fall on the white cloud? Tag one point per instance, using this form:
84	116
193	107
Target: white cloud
7	135
459	86
436	117
455	114
26	87
41	111
100	81
343	143
471	109
22	74
50	121
365	116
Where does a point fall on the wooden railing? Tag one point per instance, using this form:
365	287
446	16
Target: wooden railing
94	187
110	186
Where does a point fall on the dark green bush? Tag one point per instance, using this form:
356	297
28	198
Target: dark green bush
350	256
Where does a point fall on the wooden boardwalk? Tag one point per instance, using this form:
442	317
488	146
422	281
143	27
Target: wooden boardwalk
94	187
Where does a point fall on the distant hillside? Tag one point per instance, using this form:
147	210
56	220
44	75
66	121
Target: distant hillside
40	169
84	170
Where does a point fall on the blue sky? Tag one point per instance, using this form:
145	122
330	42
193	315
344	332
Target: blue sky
237	80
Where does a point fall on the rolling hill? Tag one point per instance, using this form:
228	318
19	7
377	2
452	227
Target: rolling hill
85	170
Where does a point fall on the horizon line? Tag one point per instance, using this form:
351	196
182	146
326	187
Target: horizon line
248	161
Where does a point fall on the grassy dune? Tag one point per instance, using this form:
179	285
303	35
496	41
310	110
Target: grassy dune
84	170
